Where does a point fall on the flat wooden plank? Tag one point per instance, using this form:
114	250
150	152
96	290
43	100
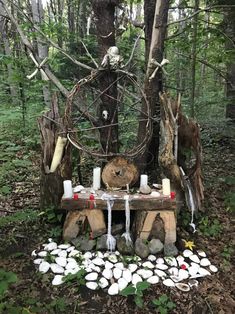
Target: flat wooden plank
96	220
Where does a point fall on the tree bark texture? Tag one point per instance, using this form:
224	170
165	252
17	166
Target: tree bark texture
104	12
155	32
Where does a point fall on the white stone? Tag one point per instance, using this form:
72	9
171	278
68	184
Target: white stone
127	275
119	265
148	265
103	283
160	273
153	280
171	261
100	254
168	282
38	261
122	284
108	265
180	260
113	289
182	286
192	270
160	260
51	246
95	268
58	280
98	261
64	246
135	279
34	254
55	252
92	285
174	271
70	249
43	253
88	269
205	262
87	255
74	253
194	258
71	260
155	194
161	266
117	253
117	273
213	268
113	258
183	274
152	258
146	273
201	253
78	188
196	265
107	273
44	267
50	240
57	269
71	265
91	276
132	267
203	272
187	253
61	261
63	253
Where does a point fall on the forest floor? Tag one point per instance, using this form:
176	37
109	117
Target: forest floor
24	228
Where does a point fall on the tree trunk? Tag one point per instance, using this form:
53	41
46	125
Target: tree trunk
104	11
38	16
155	30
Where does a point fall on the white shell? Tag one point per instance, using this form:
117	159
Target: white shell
183	274
117	273
113	289
160	273
187	253
108	265
43	253
99	254
135	279
63	253
38	261
98	261
132	267
62	261
180	260
152	258
192	270
57	269
88	269
162	266
168	282
91	277
71	260
72	271
146	273
201	253
78	188
160	260
55	252
113	258
87	255
174	271
193	282
171	261
155	194
103	283
148	265
153	279
58	280
51	246
117	253
119	265
95	268
205	262
107	273
44	267
34	253
203	271
122	284
196	265
92	285
127	275
213	268
64	246
74	253
50	240
194	258
182	286
175	278
70	249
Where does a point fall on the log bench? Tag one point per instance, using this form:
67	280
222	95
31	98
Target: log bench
146	209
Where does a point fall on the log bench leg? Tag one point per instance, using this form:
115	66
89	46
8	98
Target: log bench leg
169	221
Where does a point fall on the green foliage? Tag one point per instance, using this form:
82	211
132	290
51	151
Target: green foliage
164	304
137	292
210	227
6	279
19	217
78	278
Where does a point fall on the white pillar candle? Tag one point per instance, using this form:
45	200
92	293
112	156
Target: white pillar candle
68	190
166	187
143	180
96	178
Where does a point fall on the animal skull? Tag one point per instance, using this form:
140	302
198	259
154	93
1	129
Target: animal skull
105	115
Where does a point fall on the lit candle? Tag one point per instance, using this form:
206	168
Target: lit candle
143	180
96	178
68	191
166	187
